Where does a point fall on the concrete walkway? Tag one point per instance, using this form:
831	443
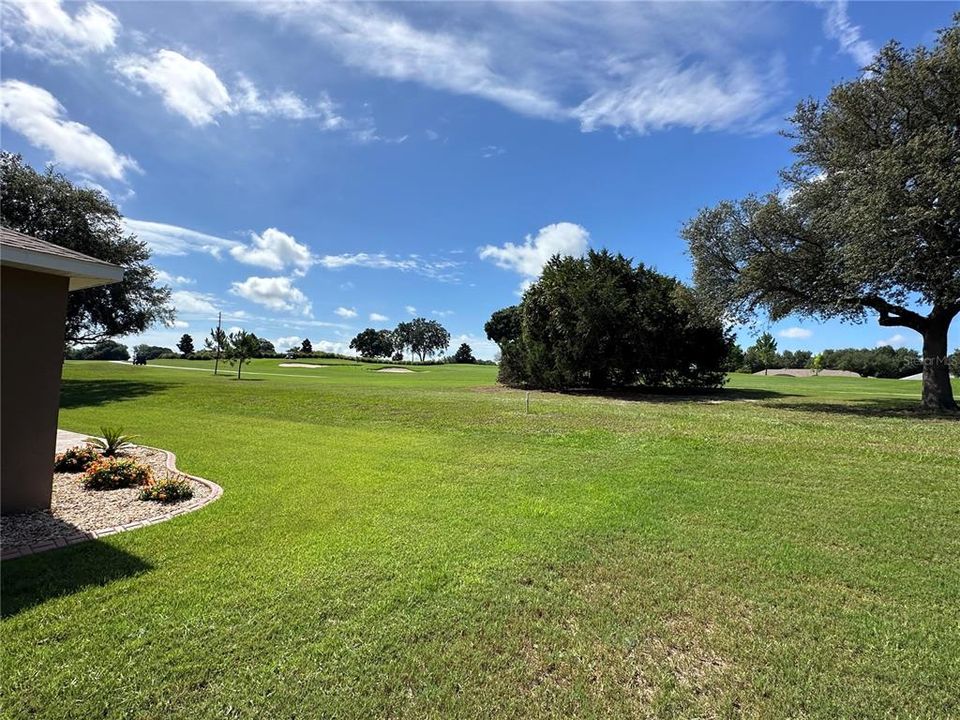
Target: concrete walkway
67	439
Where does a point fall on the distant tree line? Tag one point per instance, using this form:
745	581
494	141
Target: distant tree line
881	362
601	322
422	338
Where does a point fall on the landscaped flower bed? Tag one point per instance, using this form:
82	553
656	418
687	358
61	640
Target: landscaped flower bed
77	509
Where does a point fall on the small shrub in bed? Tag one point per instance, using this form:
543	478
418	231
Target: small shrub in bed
112	473
113	443
168	490
75	459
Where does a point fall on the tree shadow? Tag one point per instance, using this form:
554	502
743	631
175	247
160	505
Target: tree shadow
872	408
34	579
671	395
84	393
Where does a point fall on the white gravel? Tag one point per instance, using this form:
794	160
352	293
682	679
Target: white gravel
73	508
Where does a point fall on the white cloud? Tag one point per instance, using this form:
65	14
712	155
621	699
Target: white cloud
491	151
276	293
895	341
331	346
288	342
795	333
164	239
40	118
667	94
377	317
43	27
180	324
188	301
275	250
528	259
188	87
635	67
410	309
167	278
286	104
443	270
345	312
837	26
386	45
442	313
193	89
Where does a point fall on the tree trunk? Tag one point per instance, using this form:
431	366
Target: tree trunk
937	391
239	366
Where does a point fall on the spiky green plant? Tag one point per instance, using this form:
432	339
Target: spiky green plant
113	442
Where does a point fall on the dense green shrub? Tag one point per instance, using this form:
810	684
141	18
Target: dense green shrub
110	473
600	322
75	459
169	489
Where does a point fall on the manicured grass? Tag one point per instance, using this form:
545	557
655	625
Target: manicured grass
416	545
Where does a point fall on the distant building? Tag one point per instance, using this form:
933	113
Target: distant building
35	277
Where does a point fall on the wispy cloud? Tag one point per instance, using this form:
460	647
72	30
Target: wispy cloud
345	312
634	67
164	277
191	88
838	26
442	269
377	317
166	239
188	301
897	340
41	119
795	333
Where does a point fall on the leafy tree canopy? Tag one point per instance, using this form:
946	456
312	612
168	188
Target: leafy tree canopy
464	354
241	346
186	344
49	207
103	350
373	343
504	325
600	322
869	219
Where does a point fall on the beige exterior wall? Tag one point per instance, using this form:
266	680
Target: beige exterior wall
33	308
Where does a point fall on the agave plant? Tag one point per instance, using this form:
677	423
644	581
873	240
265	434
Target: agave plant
113	443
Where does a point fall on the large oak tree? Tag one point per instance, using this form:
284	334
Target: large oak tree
868	220
49	207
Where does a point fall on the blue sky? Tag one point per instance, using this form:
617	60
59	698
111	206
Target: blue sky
314	169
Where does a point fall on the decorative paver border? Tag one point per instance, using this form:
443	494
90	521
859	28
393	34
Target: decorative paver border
82	536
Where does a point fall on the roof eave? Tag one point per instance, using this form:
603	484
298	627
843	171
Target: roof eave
82	273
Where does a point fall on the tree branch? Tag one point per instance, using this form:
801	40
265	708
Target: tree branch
894	315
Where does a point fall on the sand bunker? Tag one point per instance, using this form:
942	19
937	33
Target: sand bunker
806	372
306	365
395	370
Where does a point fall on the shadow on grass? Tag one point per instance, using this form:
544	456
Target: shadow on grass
35	579
877	408
84	393
669	395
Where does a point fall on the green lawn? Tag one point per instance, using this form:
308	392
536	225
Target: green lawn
415	545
